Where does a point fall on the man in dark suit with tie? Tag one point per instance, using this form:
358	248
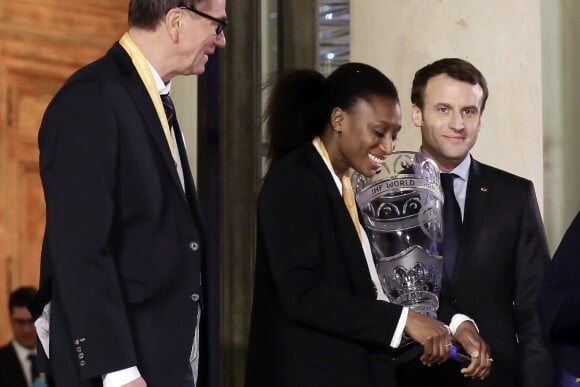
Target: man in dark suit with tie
495	249
558	306
123	273
18	366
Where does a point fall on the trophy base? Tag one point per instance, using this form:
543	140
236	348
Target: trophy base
420	301
410	350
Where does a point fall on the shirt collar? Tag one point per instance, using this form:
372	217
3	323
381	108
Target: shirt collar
21	351
163	88
462	170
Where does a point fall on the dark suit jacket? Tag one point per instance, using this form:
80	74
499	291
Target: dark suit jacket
560	300
315	320
11	373
123	251
497	276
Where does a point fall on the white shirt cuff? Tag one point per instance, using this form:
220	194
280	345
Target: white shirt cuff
42	325
457	320
120	378
400	329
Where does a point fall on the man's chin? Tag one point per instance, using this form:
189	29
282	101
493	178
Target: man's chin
29	345
198	69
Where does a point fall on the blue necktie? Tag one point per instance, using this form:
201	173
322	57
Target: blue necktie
451	223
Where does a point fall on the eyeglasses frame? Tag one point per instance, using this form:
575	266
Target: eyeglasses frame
221	24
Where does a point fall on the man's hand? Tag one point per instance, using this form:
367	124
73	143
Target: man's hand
432	335
481	361
139	382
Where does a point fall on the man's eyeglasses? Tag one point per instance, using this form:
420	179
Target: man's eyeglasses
221	24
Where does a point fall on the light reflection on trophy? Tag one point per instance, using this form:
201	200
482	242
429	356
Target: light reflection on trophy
401	210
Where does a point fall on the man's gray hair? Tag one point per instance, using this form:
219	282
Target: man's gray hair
147	13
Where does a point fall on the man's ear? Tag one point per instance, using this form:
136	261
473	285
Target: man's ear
173	22
416	116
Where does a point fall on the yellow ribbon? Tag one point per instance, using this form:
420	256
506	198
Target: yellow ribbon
144	70
347	191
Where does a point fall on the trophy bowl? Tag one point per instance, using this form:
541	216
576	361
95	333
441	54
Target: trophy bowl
401	208
401	211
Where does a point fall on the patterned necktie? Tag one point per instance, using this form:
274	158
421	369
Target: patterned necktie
33	367
451	223
169	109
180	153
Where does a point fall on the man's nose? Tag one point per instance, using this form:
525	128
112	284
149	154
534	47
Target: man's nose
457	121
220	40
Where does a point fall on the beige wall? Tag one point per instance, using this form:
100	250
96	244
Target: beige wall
561	90
502	38
184	95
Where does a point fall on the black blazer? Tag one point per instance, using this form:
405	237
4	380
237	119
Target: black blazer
123	251
560	299
315	318
11	373
498	272
496	279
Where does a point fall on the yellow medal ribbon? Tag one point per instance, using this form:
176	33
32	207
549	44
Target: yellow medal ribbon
347	191
144	70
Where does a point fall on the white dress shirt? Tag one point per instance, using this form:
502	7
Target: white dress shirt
22	355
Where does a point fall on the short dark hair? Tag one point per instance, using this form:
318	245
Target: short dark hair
147	13
21	297
301	102
456	68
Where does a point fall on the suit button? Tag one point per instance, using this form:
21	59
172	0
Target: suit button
81	356
194	246
194	297
82	363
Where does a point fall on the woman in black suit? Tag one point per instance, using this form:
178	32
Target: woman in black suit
319	316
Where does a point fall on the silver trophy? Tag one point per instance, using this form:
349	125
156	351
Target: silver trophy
401	210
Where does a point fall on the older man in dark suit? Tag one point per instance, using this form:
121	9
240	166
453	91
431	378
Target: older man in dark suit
558	306
495	249
121	298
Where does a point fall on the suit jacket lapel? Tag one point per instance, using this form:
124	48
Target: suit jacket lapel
348	239
143	102
476	202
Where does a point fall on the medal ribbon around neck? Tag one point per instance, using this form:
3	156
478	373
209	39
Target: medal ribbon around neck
144	70
347	191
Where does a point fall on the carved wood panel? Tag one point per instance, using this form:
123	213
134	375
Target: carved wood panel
41	44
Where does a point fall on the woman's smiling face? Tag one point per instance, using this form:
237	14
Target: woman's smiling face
368	133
